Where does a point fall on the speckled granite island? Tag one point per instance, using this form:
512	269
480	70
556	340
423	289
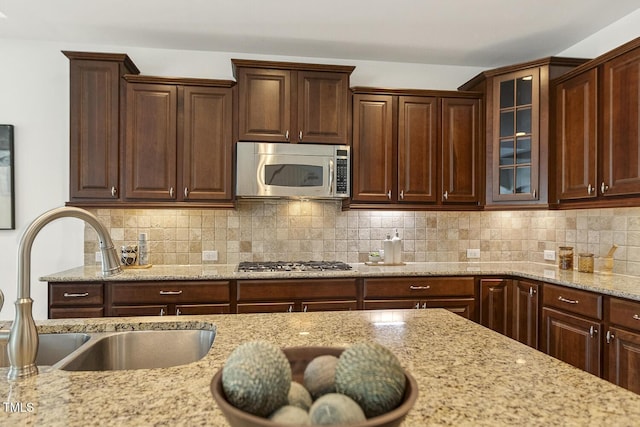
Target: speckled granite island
466	374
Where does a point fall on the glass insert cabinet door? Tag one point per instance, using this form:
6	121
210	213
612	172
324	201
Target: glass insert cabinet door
515	141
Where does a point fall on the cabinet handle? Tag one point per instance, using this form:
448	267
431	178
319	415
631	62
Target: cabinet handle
286	135
535	194
592	331
568	301
419	288
162	312
603	187
589	189
290	309
82	295
305	307
610	337
171	192
389	194
417	306
531	291
186	192
114	192
170	292
401	194
446	195
636	317
424	305
178	312
300	136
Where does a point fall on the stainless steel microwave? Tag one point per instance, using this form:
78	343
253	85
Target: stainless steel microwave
292	170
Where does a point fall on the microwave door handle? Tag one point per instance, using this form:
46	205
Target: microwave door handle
331	176
260	176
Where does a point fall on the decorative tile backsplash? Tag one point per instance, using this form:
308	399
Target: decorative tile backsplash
306	230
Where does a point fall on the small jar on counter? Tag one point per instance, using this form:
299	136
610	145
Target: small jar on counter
585	263
565	258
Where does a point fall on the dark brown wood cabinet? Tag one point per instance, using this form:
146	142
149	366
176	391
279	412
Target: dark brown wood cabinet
267	296
70	300
456	294
572	327
622	343
596	128
178	143
496	305
526	312
96	101
517	113
293	102
167	298
423	145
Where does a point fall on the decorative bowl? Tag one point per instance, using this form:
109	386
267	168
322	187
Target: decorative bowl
299	358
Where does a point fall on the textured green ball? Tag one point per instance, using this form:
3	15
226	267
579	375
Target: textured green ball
334	408
371	374
256	378
290	415
319	375
299	396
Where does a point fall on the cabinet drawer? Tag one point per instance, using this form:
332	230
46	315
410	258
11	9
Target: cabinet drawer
169	292
277	290
573	300
419	287
76	294
624	313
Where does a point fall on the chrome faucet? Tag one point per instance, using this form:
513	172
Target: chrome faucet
23	337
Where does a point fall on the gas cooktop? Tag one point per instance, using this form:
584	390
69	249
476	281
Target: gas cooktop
272	266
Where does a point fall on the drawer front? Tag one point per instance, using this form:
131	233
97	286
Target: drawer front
169	292
79	312
624	313
277	290
419	287
75	294
572	300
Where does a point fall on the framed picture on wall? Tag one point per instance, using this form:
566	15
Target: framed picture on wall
7	198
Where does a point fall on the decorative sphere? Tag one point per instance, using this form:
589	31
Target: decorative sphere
334	408
319	375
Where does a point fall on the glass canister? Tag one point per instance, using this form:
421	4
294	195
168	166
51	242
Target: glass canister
585	263
565	258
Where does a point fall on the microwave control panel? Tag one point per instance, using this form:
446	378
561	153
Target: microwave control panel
342	173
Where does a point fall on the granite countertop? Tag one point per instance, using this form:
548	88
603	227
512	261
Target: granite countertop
466	374
608	284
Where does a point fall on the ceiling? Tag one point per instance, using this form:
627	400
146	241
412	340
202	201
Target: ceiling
484	33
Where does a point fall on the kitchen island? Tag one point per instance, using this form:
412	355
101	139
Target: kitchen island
466	374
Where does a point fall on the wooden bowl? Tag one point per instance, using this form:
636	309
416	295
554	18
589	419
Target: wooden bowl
299	358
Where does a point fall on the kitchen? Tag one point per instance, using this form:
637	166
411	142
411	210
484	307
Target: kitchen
239	234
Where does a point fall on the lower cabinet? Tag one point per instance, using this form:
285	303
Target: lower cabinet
622	343
526	309
168	298
456	294
270	296
572	325
72	300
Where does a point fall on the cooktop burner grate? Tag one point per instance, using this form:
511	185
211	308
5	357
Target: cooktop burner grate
271	266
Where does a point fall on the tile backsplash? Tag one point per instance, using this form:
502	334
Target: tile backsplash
305	230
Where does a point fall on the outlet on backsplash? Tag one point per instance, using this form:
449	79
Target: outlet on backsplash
473	253
549	255
210	255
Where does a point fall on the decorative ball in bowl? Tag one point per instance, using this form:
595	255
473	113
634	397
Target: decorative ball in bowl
312	383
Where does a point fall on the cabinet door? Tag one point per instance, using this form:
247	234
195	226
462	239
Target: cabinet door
266	307
151	141
75	312
264	105
572	339
623	354
525	315
576	115
207	145
323	107
139	310
373	149
391	304
464	307
460	133
516	136
329	305
621	132
94	129
189	309
417	136
496	301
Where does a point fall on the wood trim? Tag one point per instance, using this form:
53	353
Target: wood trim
417	92
250	63
184	81
98	56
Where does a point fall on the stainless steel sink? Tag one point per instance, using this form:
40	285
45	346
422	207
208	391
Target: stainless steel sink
142	350
52	348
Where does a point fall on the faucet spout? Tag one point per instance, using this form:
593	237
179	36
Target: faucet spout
23	338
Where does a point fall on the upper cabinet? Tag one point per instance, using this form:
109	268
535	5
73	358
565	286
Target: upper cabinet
293	102
597	130
178	144
415	149
518	130
96	99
